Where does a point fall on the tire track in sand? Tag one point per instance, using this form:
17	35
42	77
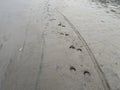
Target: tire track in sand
41	61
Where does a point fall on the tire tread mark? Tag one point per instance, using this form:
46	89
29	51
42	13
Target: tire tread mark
41	62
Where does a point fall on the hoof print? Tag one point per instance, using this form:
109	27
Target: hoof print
62	33
66	34
79	49
72	68
72	47
86	73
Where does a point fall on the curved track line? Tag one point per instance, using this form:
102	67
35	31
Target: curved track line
96	64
